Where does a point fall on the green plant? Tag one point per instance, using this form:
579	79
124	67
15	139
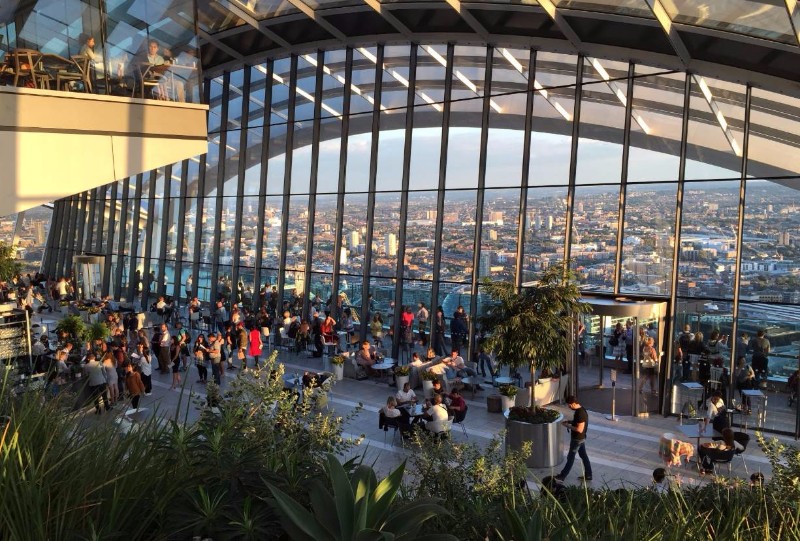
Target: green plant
402	370
473	481
508	390
338	359
532	414
357	508
427	375
73	326
530	327
9	266
96	331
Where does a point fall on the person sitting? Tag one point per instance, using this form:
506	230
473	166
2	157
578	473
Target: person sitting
394	416
715	412
436	412
458	407
161	307
366	356
406	395
661	484
438	390
458	364
328	324
711	450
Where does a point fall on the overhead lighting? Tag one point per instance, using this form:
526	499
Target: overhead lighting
723	123
536	84
402	80
461	77
615	88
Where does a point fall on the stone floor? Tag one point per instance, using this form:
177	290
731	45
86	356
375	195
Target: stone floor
623	452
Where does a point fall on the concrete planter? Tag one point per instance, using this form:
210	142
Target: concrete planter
338	371
400	381
547	442
507	401
427	389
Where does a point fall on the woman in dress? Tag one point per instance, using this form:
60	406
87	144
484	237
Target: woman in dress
201	358
175	362
112	378
649	364
255	345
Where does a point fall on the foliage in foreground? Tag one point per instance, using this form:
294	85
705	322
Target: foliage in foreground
357	508
488	498
66	476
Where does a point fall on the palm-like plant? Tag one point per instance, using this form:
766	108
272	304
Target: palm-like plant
530	327
359	508
73	326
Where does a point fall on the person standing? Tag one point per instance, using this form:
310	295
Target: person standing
422	324
438	332
164	341
578	428
760	347
97	383
143	360
255	346
133	382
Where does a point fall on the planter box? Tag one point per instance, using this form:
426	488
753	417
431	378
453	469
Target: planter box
401	380
507	401
338	371
427	389
547	442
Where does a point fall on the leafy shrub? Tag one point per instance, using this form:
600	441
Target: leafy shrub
508	390
533	414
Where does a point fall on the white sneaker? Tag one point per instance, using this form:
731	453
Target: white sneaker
147	394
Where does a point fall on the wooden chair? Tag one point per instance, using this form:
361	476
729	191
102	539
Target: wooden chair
23	63
80	73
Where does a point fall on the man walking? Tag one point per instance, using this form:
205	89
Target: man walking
577	427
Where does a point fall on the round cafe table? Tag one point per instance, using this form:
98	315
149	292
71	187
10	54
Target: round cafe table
386	364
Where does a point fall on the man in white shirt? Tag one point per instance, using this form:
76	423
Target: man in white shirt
406	396
142	358
422	324
436	413
163	349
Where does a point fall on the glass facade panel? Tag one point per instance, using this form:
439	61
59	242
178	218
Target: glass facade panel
708	240
385	239
458	236
545	227
353	234
322	256
649	237
498	258
420	232
593	247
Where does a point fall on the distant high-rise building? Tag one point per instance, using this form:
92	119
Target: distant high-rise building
485	263
784	238
38	232
496	216
550	222
391	245
430	215
354	240
343	256
580	207
492	234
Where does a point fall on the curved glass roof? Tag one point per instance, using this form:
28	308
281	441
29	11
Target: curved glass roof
742	37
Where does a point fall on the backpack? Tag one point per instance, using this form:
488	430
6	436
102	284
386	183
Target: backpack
613	341
707	465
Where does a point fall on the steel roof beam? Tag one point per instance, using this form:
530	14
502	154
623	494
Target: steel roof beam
230	51
794	18
470	19
250	19
317	18
663	18
389	17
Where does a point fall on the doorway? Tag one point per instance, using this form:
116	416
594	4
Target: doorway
607	369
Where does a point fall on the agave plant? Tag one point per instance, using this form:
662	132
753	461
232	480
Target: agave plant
359	508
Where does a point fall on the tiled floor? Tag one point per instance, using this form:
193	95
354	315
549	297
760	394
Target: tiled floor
622	453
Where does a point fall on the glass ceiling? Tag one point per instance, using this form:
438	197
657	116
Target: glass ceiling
764	19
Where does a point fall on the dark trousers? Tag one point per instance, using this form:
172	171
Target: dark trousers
438	344
135	401
579	447
215	371
202	372
100	395
163	359
629	356
148	383
423	338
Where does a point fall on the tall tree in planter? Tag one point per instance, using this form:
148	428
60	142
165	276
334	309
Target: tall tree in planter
530	327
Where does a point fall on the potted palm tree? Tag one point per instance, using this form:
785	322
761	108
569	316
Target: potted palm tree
528	328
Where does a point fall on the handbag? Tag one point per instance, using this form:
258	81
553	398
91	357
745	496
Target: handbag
240	354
